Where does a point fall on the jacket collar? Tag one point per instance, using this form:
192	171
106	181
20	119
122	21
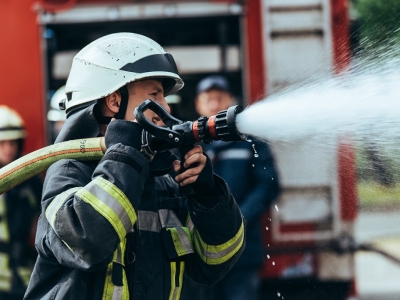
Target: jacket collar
81	124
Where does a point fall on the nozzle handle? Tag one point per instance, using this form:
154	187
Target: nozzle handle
161	132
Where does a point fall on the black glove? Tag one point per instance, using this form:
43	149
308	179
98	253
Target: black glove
205	188
124	132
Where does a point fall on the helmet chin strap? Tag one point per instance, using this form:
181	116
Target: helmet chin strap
124	103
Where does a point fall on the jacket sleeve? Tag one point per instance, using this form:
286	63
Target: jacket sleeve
265	187
218	236
85	215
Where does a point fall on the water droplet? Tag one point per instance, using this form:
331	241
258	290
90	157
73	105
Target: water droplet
268	256
264	168
273	263
253	165
255	151
276	207
266	228
268	245
279	294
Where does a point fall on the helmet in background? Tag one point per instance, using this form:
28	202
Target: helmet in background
12	126
111	62
55	113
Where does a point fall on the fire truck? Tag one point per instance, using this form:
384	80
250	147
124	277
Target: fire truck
262	46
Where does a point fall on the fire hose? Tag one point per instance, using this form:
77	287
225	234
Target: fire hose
155	139
343	244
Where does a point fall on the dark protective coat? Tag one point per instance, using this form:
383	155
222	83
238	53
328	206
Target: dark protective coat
118	228
19	209
254	189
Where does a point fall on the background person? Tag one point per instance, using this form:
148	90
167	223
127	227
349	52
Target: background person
19	209
254	184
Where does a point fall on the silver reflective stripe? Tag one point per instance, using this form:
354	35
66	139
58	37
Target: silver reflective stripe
148	221
220	253
168	218
117	293
187	245
235	154
112	203
175	293
190	224
119	255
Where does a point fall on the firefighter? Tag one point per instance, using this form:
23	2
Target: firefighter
119	228
255	189
19	209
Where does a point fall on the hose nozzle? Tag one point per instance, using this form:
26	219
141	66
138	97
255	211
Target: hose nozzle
179	134
221	126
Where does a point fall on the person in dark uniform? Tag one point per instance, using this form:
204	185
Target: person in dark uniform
19	210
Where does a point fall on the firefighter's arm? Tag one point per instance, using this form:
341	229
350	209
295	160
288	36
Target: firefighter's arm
218	235
90	214
215	222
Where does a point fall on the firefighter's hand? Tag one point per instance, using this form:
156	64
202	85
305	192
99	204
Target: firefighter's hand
124	132
194	162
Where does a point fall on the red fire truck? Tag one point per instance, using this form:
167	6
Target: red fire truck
262	46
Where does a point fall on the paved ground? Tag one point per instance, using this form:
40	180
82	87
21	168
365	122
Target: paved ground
377	277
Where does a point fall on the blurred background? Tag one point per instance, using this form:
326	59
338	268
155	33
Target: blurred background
331	202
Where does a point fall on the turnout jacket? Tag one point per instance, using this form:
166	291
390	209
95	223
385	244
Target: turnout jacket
119	229
254	190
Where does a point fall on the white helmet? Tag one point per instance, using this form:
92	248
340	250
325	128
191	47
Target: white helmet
110	62
11	124
55	114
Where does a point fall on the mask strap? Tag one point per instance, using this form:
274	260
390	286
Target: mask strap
124	103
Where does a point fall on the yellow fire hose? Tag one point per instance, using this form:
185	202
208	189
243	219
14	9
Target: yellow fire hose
40	160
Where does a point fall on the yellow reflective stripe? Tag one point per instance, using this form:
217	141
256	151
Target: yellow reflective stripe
218	254
108	285
111	203
176	287
25	274
119	253
182	271
117	194
4	233
111	291
182	240
55	205
5	274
